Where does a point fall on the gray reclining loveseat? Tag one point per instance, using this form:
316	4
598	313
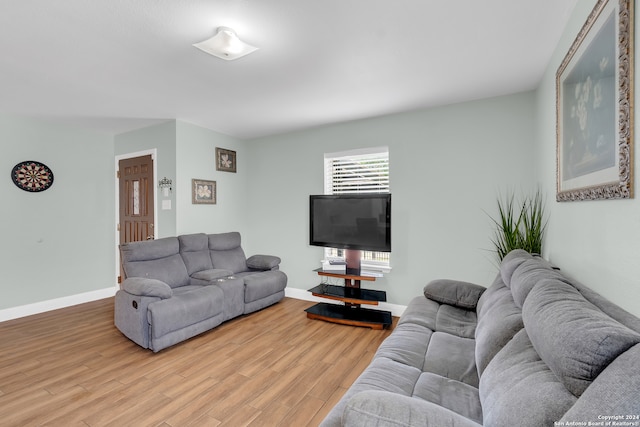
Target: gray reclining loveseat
178	287
534	349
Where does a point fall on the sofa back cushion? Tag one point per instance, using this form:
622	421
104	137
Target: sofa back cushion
149	249
487	297
498	321
615	391
612	310
194	249
518	389
155	259
226	252
527	275
572	336
510	262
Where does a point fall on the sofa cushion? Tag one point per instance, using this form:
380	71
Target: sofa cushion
491	297
193	242
226	252
452	357
384	409
149	249
194	249
263	284
518	389
382	374
456	321
457	396
421	311
224	241
170	270
501	319
232	259
528	275
573	336
615	390
487	296
407	344
510	262
155	259
188	306
454	292
389	375
614	311
440	317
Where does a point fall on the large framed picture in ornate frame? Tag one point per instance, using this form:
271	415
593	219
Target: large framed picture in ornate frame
594	107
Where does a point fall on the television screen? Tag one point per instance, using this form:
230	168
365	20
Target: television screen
351	221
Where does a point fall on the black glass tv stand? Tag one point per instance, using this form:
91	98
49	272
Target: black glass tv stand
353	296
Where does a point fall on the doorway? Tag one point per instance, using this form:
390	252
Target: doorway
135	201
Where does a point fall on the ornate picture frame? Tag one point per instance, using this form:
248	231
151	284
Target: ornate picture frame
225	160
594	108
203	192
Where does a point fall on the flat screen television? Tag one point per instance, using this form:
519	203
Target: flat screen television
351	221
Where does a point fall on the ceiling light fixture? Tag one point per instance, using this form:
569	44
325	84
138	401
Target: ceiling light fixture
225	45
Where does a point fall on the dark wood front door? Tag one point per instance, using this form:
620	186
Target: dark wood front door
136	195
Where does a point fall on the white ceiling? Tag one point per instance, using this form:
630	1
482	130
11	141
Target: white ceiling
116	65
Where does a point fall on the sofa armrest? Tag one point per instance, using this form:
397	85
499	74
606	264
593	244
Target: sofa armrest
263	262
383	408
454	292
145	287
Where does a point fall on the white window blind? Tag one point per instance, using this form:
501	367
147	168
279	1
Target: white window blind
359	171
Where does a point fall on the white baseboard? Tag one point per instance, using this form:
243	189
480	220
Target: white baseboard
54	304
395	309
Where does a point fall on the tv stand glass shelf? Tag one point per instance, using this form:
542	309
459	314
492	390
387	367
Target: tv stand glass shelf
353	296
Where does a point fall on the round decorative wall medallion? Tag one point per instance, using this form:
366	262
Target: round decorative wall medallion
32	176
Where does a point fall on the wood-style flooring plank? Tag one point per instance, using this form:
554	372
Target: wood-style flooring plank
276	367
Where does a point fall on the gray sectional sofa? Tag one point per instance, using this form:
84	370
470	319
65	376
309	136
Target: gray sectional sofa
534	349
178	287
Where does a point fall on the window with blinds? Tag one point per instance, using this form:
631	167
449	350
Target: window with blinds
358	171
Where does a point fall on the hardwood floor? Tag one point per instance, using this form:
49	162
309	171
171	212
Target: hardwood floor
72	367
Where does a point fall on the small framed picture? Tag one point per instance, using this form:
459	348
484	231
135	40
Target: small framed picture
203	192
225	160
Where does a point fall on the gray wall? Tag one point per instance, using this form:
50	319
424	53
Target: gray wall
162	138
59	242
447	166
186	152
195	159
597	242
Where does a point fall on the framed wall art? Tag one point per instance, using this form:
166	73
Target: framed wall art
203	192
594	107
225	160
